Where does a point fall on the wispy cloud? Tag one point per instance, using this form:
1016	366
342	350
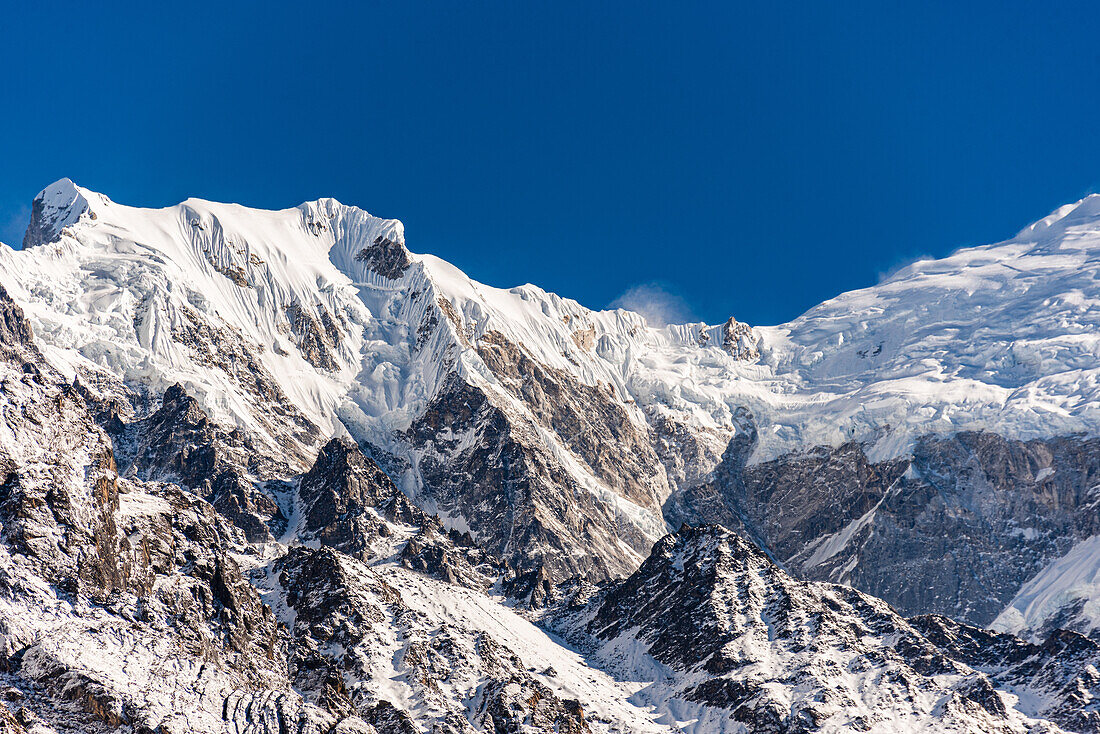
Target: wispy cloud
657	303
900	265
13	223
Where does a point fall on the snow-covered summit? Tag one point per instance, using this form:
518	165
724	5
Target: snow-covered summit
57	206
998	337
298	324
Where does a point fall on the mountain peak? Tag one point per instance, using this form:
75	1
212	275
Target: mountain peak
57	206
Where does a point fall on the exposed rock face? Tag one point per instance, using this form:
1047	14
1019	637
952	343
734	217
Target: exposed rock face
338	494
223	349
15	332
782	655
593	425
387	258
688	457
955	528
496	473
178	443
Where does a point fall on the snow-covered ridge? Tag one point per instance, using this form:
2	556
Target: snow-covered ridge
319	317
106	283
297	324
997	337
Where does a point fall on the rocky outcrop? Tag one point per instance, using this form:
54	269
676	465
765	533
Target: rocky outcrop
337	495
318	337
15	332
955	528
179	443
739	341
384	256
782	655
349	503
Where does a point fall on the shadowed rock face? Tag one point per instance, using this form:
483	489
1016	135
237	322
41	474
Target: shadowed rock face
589	420
387	258
15	332
955	528
179	443
714	608
493	470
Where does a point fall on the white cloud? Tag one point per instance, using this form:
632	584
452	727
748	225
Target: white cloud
656	303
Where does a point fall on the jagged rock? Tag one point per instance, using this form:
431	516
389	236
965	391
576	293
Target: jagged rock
591	423
387	258
739	341
904	529
1057	680
784	655
511	706
179	443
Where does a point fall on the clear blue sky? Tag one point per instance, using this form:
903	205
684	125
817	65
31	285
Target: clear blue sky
752	158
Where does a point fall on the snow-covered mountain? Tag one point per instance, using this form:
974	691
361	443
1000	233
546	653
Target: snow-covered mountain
296	477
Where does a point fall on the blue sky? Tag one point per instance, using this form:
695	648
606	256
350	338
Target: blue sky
748	159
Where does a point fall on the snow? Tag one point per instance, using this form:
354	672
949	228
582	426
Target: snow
1068	581
1000	337
607	701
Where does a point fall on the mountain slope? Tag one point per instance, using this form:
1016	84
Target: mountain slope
354	468
126	606
296	324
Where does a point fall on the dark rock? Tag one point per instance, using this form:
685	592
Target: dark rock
387	258
956	528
